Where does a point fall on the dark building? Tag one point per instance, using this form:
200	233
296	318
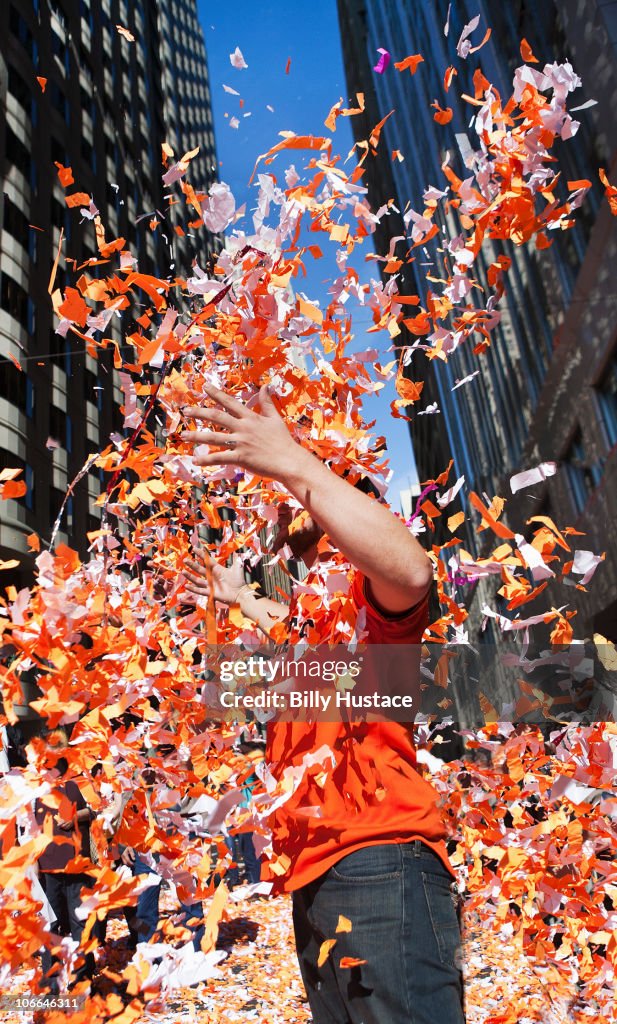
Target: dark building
546	389
109	103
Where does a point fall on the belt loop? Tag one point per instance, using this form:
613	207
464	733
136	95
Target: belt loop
417	847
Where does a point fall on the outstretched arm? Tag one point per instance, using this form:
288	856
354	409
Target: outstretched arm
367	533
229	588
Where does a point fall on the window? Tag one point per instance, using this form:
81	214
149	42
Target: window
89	155
19	29
17	153
606	392
56	497
59	154
16	387
92	523
58	211
61	51
90	382
14	299
57	425
29	479
20	90
87	104
60	351
59	101
582	475
15	222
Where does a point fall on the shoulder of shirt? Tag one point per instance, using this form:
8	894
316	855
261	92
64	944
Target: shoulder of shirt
360	585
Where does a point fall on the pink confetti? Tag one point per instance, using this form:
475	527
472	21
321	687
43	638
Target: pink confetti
237	60
383	61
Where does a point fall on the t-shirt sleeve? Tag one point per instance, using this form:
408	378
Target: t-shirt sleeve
383	627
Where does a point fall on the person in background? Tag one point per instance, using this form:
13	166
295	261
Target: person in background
143	918
244	840
71	836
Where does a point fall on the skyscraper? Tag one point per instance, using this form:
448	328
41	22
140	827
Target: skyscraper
546	387
117	80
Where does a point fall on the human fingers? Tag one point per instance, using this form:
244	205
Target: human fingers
221	458
197	582
231	405
196	590
210	415
207	437
197	568
201	557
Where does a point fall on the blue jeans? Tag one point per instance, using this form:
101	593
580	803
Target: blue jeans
193	912
404	926
252	864
143	919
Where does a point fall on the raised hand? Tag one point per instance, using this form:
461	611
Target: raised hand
257	441
227	581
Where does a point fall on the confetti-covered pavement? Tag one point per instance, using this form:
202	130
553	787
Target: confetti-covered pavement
261	982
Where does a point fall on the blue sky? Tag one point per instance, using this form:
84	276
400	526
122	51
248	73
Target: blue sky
268	34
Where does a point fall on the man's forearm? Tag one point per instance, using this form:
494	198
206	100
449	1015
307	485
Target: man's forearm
367	533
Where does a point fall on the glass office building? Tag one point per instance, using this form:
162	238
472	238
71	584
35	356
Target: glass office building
108	104
546	386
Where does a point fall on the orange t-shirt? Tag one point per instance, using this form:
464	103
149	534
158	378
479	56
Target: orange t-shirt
371	794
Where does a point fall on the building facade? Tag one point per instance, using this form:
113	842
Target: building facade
108	104
546	389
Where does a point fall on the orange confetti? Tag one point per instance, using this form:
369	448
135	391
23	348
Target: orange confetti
324	951
74	308
447	78
65	174
13	489
527	53
410	63
442	116
77	199
610	191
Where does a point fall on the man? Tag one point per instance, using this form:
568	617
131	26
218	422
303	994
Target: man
367	860
70	818
143	918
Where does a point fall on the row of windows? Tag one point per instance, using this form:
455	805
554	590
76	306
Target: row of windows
55	495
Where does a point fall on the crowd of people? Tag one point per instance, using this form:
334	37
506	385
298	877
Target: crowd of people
65	816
